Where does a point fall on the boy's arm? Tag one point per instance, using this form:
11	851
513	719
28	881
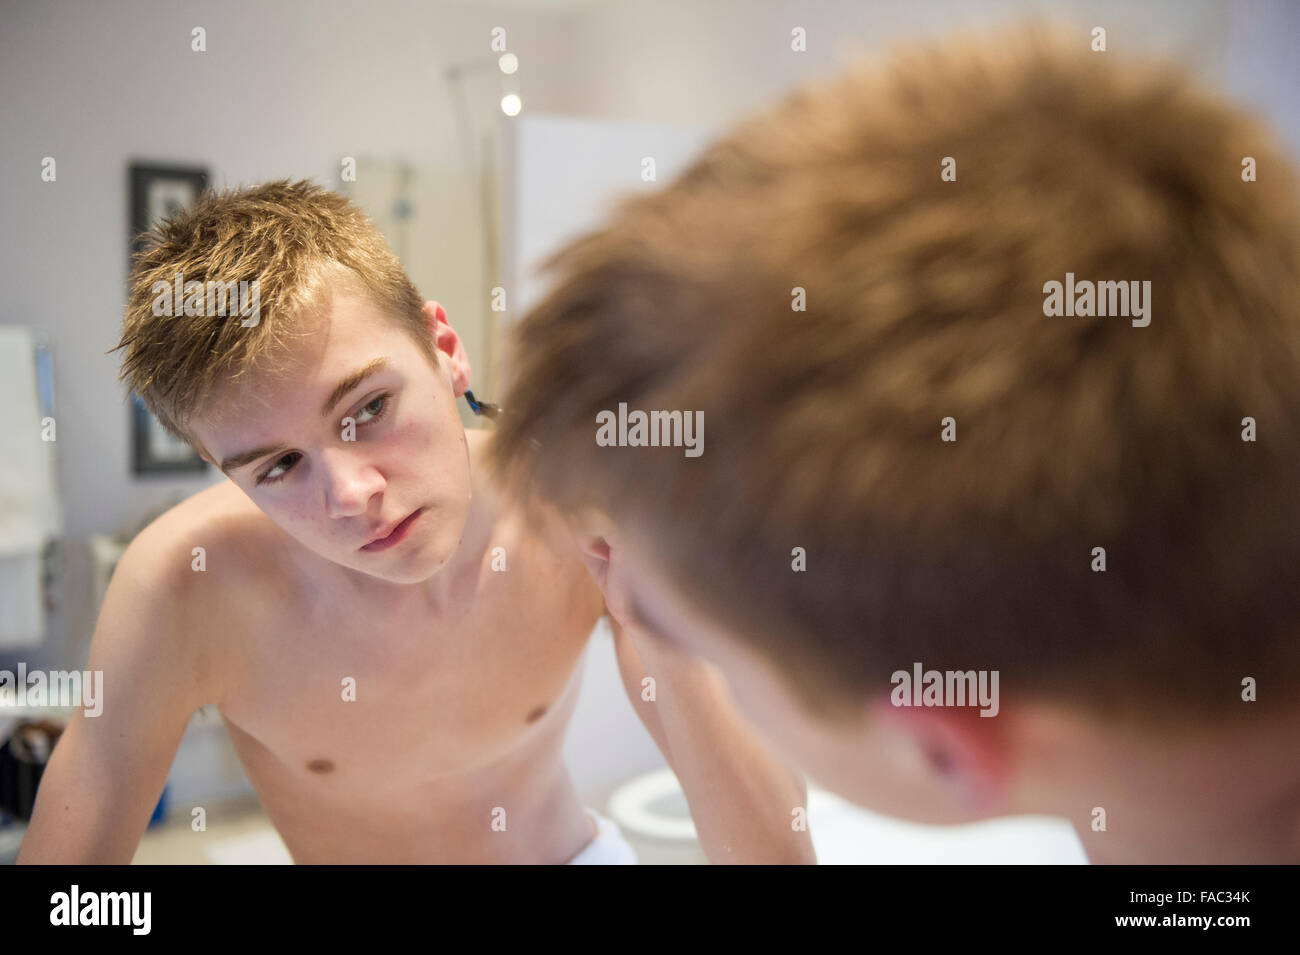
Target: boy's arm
740	795
107	772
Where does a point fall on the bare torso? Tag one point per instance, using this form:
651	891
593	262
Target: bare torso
402	731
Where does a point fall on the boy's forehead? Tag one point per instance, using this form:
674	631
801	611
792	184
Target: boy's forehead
249	403
280	385
315	350
316	346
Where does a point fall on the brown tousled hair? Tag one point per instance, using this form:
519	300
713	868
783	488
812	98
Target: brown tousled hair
299	240
925	300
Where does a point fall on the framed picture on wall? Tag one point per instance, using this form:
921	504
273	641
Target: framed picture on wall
154	449
156	193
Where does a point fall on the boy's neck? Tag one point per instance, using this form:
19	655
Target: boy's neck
1215	792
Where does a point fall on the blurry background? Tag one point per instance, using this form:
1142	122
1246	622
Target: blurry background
469	197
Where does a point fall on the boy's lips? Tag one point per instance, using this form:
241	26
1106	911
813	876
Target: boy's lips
392	536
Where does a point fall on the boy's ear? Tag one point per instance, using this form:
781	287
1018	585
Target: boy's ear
448	342
590	532
963	752
592	529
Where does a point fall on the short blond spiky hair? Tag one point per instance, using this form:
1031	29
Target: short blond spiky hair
298	240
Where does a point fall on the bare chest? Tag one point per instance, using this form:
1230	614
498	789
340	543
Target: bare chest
397	701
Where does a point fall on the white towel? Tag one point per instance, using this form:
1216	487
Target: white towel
29	510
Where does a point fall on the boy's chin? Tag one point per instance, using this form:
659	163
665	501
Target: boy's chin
409	568
410	572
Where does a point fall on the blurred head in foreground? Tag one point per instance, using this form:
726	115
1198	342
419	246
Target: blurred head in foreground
998	350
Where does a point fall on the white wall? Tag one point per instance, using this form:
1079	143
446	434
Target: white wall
679	61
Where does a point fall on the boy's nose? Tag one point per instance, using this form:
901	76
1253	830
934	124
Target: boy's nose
349	485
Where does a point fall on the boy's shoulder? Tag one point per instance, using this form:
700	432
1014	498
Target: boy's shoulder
216	533
185	586
221	512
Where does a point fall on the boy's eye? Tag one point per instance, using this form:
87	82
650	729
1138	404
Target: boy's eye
374	409
280	468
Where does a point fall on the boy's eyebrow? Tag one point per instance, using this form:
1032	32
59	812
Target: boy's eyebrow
236	461
347	384
350	382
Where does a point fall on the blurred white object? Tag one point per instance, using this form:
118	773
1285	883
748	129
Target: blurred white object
29	509
22	612
845	834
653	806
105	552
257	848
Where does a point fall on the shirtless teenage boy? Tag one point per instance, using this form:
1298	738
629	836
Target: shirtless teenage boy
393	650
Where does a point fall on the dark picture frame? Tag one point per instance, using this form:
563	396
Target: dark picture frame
155	450
157	192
